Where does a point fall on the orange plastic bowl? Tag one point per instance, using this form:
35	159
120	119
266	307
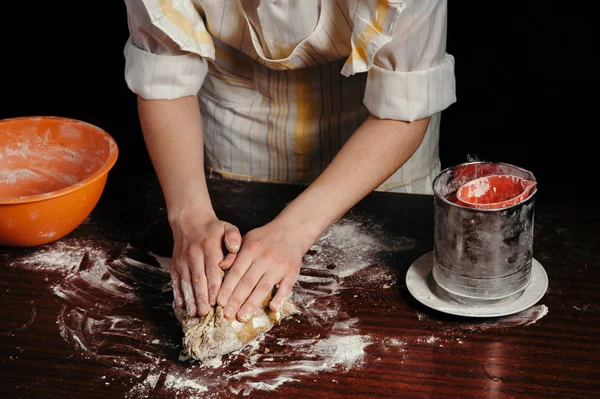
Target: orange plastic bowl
53	171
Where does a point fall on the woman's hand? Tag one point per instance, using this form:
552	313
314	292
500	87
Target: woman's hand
198	257
270	255
174	139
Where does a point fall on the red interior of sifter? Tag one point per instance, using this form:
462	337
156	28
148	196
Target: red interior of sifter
494	191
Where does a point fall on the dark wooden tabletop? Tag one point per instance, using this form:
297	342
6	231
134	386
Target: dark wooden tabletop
89	316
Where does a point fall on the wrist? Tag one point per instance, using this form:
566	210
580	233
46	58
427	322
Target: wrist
306	228
178	213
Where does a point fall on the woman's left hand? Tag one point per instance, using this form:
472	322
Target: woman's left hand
269	255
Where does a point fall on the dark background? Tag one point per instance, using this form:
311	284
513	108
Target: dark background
527	83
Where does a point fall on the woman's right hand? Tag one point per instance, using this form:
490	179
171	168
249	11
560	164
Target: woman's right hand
198	260
173	136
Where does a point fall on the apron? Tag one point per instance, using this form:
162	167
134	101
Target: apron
285	88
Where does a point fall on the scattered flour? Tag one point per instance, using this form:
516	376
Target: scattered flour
431	339
16	175
394	342
350	246
63	256
478	187
104	290
180	383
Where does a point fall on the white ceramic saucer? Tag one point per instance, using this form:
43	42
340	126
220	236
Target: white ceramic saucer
424	289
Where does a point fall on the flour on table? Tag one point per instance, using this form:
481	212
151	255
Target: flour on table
104	290
63	256
447	333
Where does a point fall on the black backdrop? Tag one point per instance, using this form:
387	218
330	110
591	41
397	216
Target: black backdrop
527	83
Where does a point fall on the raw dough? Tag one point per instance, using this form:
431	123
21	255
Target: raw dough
212	336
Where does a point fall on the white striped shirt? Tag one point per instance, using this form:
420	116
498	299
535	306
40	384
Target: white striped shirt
282	84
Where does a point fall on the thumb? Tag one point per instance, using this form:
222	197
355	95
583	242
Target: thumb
232	238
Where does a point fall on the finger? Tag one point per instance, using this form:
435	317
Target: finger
176	284
228	261
188	291
232	238
199	282
238	269
243	289
285	287
214	274
256	299
176	277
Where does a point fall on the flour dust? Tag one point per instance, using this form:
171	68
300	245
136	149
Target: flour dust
116	310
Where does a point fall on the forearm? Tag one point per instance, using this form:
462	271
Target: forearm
173	135
373	153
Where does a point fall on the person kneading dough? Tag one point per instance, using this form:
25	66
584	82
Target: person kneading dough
344	96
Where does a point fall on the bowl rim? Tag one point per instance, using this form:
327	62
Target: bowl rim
438	195
101	172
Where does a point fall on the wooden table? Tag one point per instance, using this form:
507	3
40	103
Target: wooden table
90	317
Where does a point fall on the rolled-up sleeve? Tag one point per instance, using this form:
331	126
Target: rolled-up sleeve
409	74
167	50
